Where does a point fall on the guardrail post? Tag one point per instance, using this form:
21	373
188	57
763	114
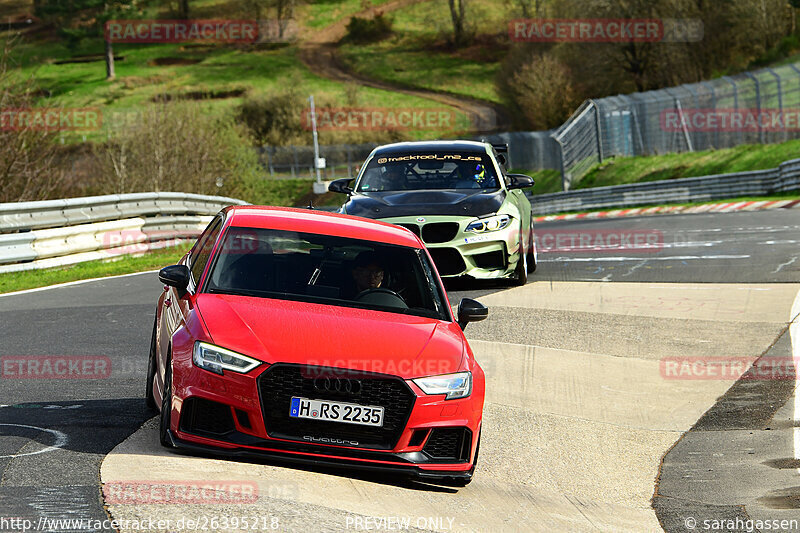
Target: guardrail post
780	99
598	131
735	100
758	105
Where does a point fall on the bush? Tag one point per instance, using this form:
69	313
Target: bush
540	90
274	119
365	30
177	147
29	167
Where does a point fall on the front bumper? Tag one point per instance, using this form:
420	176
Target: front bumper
489	255
229	415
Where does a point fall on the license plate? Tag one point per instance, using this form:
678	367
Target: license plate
479	238
348	413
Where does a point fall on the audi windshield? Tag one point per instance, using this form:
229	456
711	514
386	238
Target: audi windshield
329	270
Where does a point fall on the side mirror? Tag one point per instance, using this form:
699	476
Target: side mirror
470	310
175	276
520	181
342	185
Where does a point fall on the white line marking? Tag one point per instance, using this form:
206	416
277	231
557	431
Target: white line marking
618	259
61	441
794	334
787	263
76	282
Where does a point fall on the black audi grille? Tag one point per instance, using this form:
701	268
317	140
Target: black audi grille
280	382
205	416
448	261
449	443
437	232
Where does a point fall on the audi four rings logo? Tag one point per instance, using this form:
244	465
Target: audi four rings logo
340	385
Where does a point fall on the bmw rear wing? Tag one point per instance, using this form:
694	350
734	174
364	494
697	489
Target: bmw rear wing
500	148
502	152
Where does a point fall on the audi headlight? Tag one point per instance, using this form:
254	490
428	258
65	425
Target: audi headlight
492	223
453	385
216	359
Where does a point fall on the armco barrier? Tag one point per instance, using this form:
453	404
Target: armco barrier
718	187
61	232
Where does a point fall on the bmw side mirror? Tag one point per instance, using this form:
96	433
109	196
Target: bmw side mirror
342	185
470	310
175	276
520	181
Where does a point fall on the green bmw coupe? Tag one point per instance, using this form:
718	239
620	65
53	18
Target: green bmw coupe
456	196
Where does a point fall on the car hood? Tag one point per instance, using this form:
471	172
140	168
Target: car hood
412	203
325	335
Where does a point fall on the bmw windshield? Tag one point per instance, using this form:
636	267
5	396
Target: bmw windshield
429	171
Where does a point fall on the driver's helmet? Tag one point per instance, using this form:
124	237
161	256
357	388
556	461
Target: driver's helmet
480	173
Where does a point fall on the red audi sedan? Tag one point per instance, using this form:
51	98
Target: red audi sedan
318	337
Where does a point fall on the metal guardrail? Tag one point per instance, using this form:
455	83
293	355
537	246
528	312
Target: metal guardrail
61	232
717	187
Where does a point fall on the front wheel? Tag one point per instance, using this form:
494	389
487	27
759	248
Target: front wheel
533	258
149	399
166	408
521	271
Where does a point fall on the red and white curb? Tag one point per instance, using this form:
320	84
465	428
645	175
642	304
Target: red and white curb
676	209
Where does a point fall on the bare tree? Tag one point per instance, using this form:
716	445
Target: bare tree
284	11
458	16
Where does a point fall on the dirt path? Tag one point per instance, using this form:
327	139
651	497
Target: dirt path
320	54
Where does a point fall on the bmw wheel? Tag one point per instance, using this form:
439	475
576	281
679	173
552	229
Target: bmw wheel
521	271
533	258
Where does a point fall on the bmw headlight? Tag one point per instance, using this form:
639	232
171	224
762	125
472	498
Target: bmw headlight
216	359
453	385
492	223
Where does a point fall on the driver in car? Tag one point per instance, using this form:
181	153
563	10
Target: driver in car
394	179
367	272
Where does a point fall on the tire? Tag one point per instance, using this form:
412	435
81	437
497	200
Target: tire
166	408
532	256
521	270
149	399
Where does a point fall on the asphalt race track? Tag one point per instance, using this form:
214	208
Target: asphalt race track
587	426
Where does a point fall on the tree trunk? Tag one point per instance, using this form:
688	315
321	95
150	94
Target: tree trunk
457	14
183	9
110	73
